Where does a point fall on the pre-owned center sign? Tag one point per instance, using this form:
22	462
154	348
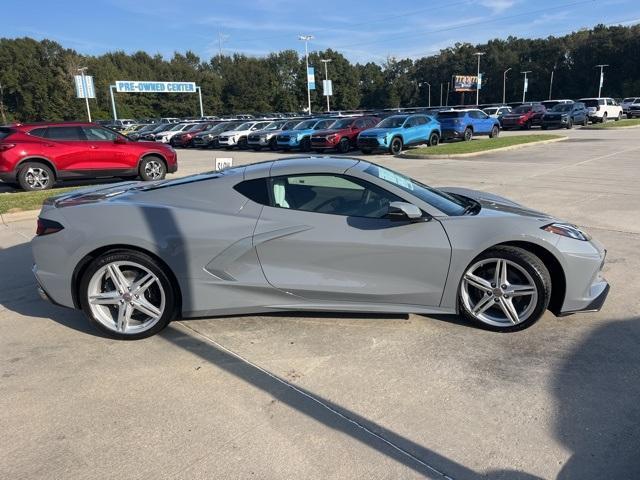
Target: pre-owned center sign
129	86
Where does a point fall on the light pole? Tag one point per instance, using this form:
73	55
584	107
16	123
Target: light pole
478	84
525	86
429	86
305	39
446	101
440	94
551	81
4	117
82	71
326	77
601	67
504	85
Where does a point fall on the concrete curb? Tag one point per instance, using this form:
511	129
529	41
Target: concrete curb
477	154
7	218
604	129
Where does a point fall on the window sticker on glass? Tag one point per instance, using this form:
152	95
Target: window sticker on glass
394	178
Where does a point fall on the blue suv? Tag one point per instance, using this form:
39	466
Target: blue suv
464	124
300	135
397	131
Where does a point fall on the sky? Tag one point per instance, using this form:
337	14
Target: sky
361	30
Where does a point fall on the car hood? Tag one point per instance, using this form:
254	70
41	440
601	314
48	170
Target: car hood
493	204
323	133
374	132
514	115
231	133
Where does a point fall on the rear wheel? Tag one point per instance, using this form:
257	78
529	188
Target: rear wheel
35	176
495	131
505	289
604	118
434	139
396	146
305	145
619	117
127	295
152	168
569	124
468	134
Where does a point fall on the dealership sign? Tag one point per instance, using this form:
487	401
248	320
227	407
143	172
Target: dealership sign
84	86
129	86
465	83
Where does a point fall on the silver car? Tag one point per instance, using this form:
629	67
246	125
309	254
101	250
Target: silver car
313	234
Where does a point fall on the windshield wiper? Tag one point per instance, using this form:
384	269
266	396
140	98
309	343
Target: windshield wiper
472	206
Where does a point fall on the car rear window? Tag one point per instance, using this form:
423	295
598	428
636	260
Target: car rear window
523	109
5	132
450	114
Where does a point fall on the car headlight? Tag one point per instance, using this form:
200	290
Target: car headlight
331	137
567	230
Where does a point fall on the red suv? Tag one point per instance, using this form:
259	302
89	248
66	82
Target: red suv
524	116
342	135
36	156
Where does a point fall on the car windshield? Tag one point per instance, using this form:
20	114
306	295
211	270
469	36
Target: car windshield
290	125
274	126
444	202
490	111
593	102
177	127
194	128
450	114
163	128
563	107
307	124
629	100
244	126
522	109
344	123
392	122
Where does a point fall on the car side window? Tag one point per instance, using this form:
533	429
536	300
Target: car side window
421	120
360	123
99	134
412	122
65	133
255	190
331	194
39	132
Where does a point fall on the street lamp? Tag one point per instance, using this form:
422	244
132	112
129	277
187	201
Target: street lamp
82	71
525	86
428	85
601	67
305	39
478	84
551	81
326	77
504	85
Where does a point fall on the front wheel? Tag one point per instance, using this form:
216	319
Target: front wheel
152	168
585	122
305	145
495	131
396	146
468	134
604	118
505	289
127	295
619	117
35	176
434	139
343	145
569	124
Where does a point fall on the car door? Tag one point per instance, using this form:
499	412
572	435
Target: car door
411	131
109	150
68	148
326	238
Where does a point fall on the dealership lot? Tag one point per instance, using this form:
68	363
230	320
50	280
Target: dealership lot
346	396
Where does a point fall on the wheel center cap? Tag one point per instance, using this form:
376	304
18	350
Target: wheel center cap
127	297
497	292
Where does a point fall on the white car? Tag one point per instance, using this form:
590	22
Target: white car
165	136
238	137
627	102
602	109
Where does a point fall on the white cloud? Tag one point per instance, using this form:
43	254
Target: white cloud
498	6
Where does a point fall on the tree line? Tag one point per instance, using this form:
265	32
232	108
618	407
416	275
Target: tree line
36	77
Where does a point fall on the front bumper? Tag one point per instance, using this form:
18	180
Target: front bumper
371	143
555	122
595	305
321	143
227	142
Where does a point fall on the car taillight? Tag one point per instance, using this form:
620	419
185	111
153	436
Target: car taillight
47	227
6	146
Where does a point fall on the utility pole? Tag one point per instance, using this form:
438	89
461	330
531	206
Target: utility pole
305	39
82	71
551	81
4	117
504	86
326	77
447	99
428	85
525	86
479	81
601	67
440	94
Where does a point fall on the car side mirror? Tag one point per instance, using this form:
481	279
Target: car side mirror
403	211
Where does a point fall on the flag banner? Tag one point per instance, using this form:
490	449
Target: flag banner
311	78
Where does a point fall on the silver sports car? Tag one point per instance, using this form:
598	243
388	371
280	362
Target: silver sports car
314	234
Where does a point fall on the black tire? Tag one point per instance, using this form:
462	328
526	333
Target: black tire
273	144
495	131
152	168
395	147
605	118
534	267
585	122
569	124
619	117
305	144
35	176
343	145
366	151
527	126
170	291
467	136
434	139
243	143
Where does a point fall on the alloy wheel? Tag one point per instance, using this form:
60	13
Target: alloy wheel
498	292
37	178
153	170
126	297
